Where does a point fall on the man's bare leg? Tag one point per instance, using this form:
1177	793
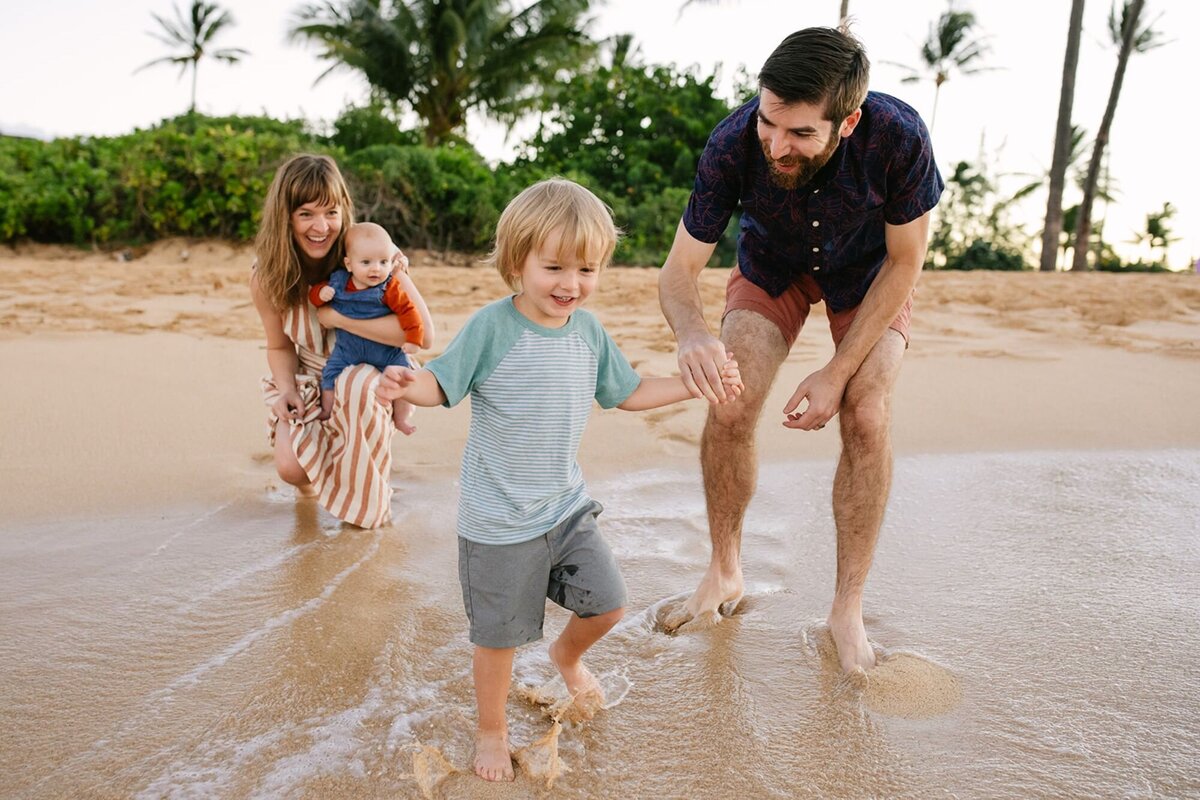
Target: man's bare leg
730	463
493	674
860	493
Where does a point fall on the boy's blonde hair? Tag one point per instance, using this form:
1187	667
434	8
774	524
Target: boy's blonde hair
582	221
301	179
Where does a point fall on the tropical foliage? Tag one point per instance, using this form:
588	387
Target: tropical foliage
443	58
192	37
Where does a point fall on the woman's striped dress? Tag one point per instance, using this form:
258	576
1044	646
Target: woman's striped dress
348	457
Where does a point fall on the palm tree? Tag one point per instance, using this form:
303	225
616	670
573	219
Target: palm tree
442	58
1052	229
843	10
194	36
1125	31
948	48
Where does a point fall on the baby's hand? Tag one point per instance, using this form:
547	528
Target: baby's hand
394	383
731	377
326	294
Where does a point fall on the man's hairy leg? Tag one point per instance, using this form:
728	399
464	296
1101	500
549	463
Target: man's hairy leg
860	493
730	464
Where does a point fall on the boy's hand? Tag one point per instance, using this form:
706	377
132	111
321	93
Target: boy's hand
731	377
326	294
394	383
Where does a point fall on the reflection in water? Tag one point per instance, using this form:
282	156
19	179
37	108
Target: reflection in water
1021	606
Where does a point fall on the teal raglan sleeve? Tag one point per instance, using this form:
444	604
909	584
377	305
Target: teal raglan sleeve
473	354
615	378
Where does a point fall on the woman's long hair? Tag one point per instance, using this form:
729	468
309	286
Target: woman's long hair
301	179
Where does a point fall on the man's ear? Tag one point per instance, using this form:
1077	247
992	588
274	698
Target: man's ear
849	123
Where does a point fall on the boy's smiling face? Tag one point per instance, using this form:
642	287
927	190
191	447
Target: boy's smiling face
553	287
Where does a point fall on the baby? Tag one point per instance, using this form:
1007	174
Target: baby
369	290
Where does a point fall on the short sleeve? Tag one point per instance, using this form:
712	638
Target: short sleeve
914	175
615	377
717	189
471	356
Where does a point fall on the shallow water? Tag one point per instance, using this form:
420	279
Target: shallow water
1036	614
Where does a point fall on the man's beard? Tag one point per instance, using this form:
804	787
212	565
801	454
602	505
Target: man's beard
808	167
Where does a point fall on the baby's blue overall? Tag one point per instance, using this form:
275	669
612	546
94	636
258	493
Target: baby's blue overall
350	349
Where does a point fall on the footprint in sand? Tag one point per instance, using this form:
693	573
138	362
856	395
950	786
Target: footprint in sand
902	683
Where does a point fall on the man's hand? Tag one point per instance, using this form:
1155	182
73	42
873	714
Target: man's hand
394	383
701	360
823	389
326	294
288	405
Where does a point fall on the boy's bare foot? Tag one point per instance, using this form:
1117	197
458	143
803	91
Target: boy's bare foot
718	593
586	694
493	761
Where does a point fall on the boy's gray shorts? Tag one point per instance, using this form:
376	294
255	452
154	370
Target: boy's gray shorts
505	586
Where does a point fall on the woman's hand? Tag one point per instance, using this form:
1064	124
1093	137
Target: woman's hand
288	405
399	262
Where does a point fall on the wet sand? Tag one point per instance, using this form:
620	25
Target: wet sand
177	624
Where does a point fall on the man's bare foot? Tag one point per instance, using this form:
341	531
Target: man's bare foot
586	695
850	637
493	761
718	593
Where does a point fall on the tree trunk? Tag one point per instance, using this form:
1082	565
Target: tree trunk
844	12
1052	229
1083	231
195	69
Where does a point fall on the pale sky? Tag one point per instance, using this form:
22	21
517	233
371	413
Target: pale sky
68	70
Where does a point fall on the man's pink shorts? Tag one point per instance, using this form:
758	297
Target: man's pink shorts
790	309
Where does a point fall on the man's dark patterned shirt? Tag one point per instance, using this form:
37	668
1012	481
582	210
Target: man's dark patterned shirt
832	227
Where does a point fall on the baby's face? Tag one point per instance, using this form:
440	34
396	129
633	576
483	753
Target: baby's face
369	261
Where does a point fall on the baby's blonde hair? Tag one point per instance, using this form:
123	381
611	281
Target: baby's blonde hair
582	221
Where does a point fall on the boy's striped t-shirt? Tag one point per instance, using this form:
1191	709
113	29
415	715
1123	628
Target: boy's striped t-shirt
531	390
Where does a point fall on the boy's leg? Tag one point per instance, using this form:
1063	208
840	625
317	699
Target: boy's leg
585	579
567	653
402	413
493	674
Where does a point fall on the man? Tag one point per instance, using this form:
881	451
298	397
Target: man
836	184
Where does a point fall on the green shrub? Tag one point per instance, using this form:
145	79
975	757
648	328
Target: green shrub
981	254
440	198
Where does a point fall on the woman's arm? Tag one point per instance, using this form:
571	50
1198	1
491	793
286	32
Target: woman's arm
281	353
385	330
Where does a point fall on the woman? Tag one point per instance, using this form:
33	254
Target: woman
345	461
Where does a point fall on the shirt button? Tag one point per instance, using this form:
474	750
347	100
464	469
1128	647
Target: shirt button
816	269
816	249
816	190
816	224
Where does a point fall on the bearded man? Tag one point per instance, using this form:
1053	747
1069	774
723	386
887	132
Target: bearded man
836	184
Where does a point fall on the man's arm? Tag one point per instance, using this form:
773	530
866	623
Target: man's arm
906	246
701	354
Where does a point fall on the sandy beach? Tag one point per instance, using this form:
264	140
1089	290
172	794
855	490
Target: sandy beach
178	625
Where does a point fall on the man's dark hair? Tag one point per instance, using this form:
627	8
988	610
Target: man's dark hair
819	65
